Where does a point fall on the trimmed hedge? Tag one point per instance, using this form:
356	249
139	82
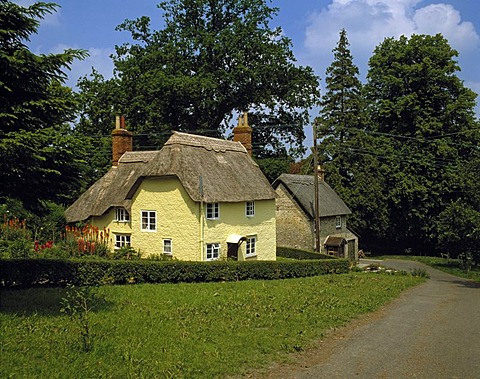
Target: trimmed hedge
56	272
287	252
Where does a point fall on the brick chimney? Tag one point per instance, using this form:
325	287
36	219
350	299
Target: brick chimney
122	140
243	133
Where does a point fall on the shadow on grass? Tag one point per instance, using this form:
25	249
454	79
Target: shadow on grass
42	301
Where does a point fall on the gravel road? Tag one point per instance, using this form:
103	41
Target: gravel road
430	331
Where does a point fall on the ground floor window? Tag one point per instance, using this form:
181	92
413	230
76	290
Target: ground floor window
251	246
122	240
167	246
212	251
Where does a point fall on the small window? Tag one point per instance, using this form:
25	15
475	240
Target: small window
122	240
250	208
338	222
212	251
213	211
122	215
149	221
251	246
167	246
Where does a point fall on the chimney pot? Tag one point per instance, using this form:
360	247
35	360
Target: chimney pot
122	140
243	133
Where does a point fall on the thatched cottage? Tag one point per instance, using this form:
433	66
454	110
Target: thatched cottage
295	214
198	198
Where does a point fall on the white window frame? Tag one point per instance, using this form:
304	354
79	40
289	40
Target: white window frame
250	208
338	222
167	246
251	246
212	211
122	215
122	240
149	226
212	249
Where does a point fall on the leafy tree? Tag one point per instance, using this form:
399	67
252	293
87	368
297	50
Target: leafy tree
212	60
459	224
40	158
345	148
98	101
423	119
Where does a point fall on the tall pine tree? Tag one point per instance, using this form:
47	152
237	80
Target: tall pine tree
40	159
345	148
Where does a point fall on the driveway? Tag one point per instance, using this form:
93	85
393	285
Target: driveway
430	331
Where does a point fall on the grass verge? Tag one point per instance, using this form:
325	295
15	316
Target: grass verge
451	266
207	330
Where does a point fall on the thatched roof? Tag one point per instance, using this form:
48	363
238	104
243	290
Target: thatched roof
302	188
227	173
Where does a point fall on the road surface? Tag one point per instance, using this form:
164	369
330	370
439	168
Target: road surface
430	331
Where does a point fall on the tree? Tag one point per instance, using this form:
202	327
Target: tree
345	148
40	158
212	60
423	119
459	223
98	101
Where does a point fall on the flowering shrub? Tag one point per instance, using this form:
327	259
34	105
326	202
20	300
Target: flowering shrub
46	240
15	238
87	240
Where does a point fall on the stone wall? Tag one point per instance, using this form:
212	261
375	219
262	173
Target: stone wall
294	228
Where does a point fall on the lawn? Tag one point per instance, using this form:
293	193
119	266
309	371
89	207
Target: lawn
208	330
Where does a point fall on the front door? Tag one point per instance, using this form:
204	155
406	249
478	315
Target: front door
232	251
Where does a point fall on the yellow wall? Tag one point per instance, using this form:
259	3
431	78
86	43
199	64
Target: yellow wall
233	221
113	227
180	219
177	218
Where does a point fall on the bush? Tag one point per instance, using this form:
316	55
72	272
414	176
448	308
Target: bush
287	252
56	272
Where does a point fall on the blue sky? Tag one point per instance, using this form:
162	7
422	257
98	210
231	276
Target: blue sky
312	25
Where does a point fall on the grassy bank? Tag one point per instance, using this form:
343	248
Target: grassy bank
451	266
181	330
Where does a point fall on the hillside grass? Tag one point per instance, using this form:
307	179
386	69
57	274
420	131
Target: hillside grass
207	330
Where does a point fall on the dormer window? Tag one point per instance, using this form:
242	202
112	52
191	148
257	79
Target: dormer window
122	215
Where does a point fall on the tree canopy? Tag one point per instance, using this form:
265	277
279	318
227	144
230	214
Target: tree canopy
40	159
422	117
211	61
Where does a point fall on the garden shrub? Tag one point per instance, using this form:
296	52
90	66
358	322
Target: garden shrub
59	272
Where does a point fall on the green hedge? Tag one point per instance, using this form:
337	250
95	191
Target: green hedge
56	272
287	252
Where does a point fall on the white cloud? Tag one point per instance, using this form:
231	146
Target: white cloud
445	19
369	22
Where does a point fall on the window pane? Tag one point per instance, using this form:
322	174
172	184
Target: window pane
212	251
251	245
250	208
212	211
167	246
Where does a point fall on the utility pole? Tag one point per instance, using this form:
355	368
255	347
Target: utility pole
315	186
